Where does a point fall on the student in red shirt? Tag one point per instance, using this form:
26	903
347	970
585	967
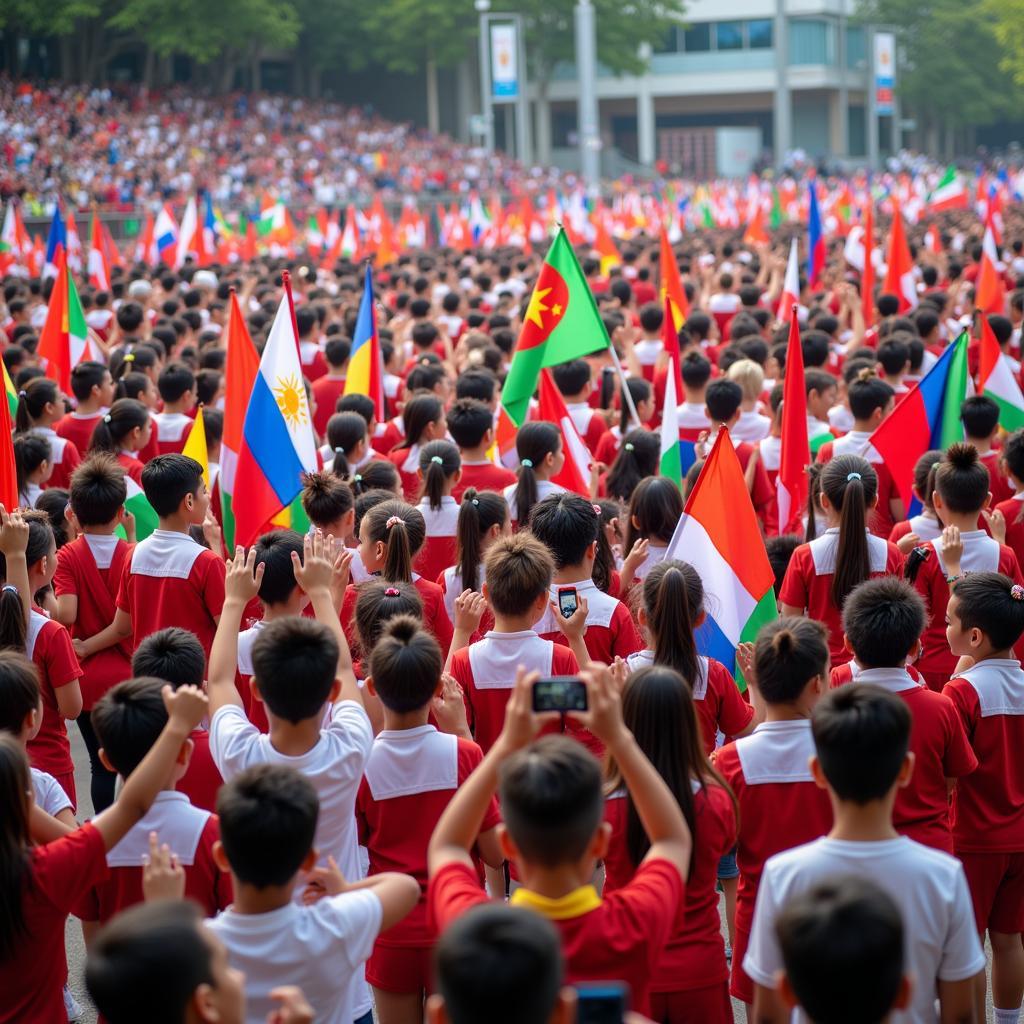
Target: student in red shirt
690	982
925	526
331	386
93	388
574	381
440	468
655	509
1012	509
128	720
40	406
883	620
124	432
139	386
780	805
822	572
176	656
570	527
424	422
471	425
49	867
88	576
177	387
412	773
551	798
962	490
980	417
32	467
540	454
986	618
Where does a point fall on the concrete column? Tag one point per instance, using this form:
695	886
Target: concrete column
783	110
843	98
646	141
543	131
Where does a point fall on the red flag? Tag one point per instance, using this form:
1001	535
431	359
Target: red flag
755	233
990	288
248	248
899	277
867	279
791	484
575	473
670	341
672	285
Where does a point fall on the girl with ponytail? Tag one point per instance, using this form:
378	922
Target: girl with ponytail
822	572
124	431
655	508
658	709
348	444
32	467
439	469
539	448
638	459
142	388
423	416
40	406
671	609
611	440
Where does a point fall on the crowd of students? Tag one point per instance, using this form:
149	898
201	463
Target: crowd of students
326	743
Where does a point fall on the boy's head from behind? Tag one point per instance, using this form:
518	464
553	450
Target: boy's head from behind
274	552
128	720
842	945
883	620
405	666
791	660
501	964
980	416
98	491
862	736
174	655
567	525
294	663
468	422
268	815
517	574
174	483
552	802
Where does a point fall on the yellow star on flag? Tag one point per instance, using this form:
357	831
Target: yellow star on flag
536	307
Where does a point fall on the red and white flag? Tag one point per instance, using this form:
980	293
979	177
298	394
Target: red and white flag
575	473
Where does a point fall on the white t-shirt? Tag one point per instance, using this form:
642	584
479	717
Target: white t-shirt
334	766
928	886
48	792
315	947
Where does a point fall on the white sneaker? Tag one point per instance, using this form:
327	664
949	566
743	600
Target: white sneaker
71	1007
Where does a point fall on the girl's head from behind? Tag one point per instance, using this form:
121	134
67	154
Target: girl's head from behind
377	475
390	535
654	512
405	666
791	661
125	426
32	460
924	474
569	526
849	488
329	503
21	709
377	603
539	447
961	481
423	416
15	781
347	437
985	615
41	557
38	401
637	459
483	518
672	607
440	468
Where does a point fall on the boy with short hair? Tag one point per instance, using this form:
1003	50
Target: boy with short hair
128	720
574	381
551	798
93	388
821	388
882	621
471	425
268	816
862	737
177	387
980	417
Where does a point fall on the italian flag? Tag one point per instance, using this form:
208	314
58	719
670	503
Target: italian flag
561	323
949	193
64	341
996	380
146	520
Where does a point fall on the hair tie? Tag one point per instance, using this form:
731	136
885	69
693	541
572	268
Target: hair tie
106	419
357	478
392	592
597	509
437	459
852	476
394	521
1016	592
474	501
339	451
528	463
629	446
23	394
129	357
10	588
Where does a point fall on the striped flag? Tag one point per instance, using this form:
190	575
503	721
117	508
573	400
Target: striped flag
136	502
575	473
996	380
671	463
64	341
671	283
729	555
791	483
790	287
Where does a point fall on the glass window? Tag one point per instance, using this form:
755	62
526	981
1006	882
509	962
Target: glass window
668	44
697	38
855	49
811	42
759	34
729	35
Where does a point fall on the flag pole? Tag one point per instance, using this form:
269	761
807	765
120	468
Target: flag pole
626	396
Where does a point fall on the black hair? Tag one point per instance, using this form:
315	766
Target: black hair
290	649
19	690
780	552
128	720
535	441
439	462
986	601
345	430
894	353
98	490
468	422
861	734
15	862
551	800
962	479
814	346
173	655
132	385
567	525
361	404
637	459
571	377
478	383
980	416
924	475
54	502
673	600
788	654
723	397
405	665
640	391
657	506
326	498
695	370
207	385
376	475
30	452
268	815
417	414
33	399
402	529
377	603
168	480
835	936
13	628
868	394
174	380
883	619
124	416
851	486
274	551
86	376
479	512
337	351
518	571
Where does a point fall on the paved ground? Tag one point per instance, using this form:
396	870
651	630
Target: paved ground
75	946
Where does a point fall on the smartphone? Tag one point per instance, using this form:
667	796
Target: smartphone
560	693
567	601
602	1002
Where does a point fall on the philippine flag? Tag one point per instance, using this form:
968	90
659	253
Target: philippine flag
815	241
278	445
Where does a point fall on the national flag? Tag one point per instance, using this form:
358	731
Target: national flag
933	240
136	502
195	446
350	235
64	341
561	323
776	216
867	278
815	239
99	272
949	193
242	363
671	461
145	247
189	240
56	242
671	283
791	483
14	241
997	381
899	275
9	496
927	418
605	248
111	253
74	244
271	216
755	233
575	472
9	392
990	288
165	233
790	287
278	446
208	235
365	365
720	537
316	232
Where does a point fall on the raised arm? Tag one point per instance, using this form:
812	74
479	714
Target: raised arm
241	585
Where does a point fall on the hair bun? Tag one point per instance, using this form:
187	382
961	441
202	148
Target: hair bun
962	455
402	628
783	642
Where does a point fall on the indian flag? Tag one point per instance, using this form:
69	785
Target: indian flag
949	193
671	465
728	552
997	381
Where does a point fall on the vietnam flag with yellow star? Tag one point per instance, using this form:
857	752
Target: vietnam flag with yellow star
561	323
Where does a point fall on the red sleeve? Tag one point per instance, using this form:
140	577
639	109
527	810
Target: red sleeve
762	493
122	591
795	588
927	571
72	457
440	624
735	713
894	560
563	661
363	799
824	452
627	639
64	580
1008	564
462	673
212	586
965	700
451	892
58	655
68	867
959	759
470	756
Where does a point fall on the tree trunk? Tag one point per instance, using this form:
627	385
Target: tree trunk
148	68
228	67
433	104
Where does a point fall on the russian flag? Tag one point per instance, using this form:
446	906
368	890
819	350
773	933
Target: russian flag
815	240
165	233
278	445
365	367
927	418
729	555
56	242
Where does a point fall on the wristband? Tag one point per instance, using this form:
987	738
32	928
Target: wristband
953	579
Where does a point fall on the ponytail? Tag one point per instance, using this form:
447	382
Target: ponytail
13	628
30	452
37	394
535	441
604	561
439	462
607	390
813	498
417	414
638	458
478	513
398	557
673	597
125	415
851	485
402	529
344	431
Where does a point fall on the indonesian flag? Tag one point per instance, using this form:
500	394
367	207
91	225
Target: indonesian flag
790	287
990	289
575	473
899	276
791	484
933	240
99	271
